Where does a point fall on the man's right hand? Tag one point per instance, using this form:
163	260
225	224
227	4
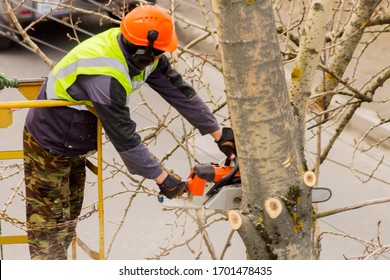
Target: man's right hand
172	186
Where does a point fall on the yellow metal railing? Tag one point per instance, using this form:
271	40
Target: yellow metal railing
30	88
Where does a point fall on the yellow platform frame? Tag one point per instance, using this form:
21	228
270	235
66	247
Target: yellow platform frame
30	89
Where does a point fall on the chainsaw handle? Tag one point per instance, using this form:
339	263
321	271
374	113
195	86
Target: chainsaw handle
228	161
225	180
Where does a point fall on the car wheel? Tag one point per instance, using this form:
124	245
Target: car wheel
5	42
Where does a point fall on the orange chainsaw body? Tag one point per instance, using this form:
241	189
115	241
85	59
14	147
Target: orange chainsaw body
203	173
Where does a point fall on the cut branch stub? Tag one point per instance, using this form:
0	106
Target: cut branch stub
273	206
235	219
310	178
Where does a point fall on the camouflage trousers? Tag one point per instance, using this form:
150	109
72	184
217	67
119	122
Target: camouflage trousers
54	197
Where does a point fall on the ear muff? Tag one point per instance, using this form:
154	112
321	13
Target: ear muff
143	57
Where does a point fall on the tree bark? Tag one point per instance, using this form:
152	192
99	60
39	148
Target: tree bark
275	213
306	64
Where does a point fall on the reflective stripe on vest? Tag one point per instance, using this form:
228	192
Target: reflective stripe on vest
105	59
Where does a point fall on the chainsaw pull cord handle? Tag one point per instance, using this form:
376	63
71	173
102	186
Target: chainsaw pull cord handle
225	180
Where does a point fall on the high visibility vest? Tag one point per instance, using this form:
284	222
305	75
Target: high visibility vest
98	55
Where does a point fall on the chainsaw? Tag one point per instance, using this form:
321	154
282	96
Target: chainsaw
218	187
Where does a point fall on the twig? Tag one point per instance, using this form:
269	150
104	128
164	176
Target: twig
25	36
352	207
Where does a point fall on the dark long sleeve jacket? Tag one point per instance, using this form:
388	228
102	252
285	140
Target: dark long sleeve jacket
71	132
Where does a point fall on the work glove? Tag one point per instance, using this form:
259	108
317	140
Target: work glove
226	143
173	186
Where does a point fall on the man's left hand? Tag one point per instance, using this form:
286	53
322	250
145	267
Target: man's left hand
226	143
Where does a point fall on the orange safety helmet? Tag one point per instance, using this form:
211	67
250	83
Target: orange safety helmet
136	25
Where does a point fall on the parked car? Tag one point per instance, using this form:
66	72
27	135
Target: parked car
28	11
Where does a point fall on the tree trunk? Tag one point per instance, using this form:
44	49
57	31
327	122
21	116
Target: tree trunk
275	219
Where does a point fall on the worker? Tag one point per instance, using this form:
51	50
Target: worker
103	71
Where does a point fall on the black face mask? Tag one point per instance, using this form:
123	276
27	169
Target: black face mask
142	59
144	56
